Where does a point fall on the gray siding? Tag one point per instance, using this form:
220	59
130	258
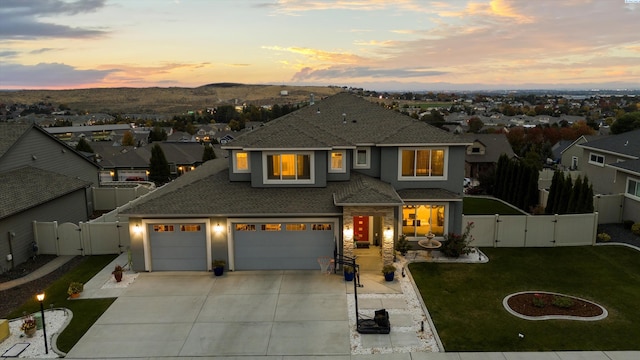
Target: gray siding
75	210
376	162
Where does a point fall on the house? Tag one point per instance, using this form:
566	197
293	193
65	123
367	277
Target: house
482	156
313	183
613	167
571	155
41	179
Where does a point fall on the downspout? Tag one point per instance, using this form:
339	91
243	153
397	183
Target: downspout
10	235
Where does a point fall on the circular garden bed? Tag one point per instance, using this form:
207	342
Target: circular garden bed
539	305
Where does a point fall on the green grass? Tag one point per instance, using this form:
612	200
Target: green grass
485	206
465	300
85	311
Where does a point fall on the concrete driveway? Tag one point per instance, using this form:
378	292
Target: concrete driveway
178	314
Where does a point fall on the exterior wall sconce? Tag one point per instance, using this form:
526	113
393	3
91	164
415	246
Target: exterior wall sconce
388	233
348	232
217	228
137	229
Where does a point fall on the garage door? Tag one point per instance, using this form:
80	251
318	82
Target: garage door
178	246
282	246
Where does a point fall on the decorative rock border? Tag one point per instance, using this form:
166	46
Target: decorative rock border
553	317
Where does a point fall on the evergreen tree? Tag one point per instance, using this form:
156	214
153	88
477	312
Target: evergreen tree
574	197
157	134
159	171
553	191
565	194
501	168
84	146
208	153
585	205
533	190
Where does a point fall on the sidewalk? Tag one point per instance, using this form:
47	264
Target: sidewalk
40	272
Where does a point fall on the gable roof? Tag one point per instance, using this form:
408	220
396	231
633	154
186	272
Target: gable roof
627	143
629	166
495	145
342	121
27	187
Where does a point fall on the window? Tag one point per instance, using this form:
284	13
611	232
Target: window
162	228
296	227
362	158
245	227
421	163
596	159
271	227
336	161
190	227
289	167
321	227
633	187
240	161
419	220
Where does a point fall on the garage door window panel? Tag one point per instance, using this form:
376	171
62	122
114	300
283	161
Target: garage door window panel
271	227
296	227
190	228
163	228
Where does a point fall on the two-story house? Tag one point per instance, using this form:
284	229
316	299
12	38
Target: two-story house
613	167
311	183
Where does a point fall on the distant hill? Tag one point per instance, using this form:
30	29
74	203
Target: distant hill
172	100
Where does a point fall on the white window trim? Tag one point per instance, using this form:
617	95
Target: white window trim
235	162
445	170
446	219
344	162
626	190
367	165
312	174
596	163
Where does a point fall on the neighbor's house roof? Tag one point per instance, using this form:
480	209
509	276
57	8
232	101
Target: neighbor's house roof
629	166
342	121
627	144
207	191
495	146
27	187
187	153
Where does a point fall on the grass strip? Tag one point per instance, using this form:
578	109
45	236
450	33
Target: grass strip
85	311
465	300
485	206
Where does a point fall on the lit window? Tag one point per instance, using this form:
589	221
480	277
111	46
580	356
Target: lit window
289	167
241	161
416	163
296	227
190	228
321	227
419	220
633	187
596	159
271	227
362	158
336	161
162	228
245	227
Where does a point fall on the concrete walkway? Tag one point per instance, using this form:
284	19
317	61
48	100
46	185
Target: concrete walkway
38	273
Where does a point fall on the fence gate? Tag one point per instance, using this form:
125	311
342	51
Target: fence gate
69	239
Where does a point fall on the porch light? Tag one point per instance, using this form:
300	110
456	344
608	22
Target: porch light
137	229
217	228
348	232
388	233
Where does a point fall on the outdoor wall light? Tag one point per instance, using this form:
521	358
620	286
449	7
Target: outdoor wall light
137	229
388	233
348	232
217	228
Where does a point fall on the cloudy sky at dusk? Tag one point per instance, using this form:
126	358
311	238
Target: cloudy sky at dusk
374	44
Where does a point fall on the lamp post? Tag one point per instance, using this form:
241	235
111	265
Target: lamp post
40	298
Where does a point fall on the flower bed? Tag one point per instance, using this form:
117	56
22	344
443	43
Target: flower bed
543	305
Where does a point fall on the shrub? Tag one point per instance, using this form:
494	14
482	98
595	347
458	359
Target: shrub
603	236
456	244
388	269
402	246
75	288
635	229
219	263
562	302
348	269
538	301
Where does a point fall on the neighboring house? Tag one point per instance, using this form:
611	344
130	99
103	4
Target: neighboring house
122	163
482	156
613	167
43	179
571	155
311	183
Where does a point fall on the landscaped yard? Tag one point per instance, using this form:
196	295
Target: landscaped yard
487	206
465	300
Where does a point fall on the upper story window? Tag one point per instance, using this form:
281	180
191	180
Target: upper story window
596	159
362	158
633	188
288	167
337	161
240	161
422	163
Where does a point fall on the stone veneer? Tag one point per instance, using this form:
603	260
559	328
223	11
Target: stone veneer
385	213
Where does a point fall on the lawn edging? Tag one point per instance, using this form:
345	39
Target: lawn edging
604	314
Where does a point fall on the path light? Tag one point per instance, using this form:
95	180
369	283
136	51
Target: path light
40	298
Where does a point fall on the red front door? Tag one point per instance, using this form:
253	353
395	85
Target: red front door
361	228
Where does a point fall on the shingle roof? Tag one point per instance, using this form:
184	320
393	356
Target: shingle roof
496	145
129	156
27	187
431	194
364	190
342	120
630	166
627	143
9	134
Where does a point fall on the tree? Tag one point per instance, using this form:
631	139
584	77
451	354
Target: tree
475	124
574	197
626	122
208	153
157	134
159	171
84	146
128	139
554	190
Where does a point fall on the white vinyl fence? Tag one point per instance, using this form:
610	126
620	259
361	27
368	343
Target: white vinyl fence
533	230
108	198
87	238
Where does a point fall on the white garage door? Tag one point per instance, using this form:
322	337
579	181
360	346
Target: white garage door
282	245
178	247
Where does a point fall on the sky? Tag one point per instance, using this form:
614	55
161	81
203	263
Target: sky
381	45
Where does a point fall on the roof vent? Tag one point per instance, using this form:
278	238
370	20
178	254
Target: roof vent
318	112
344	118
354	121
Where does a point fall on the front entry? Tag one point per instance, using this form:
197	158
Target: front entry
361	231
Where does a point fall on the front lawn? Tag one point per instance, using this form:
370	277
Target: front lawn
465	300
85	311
